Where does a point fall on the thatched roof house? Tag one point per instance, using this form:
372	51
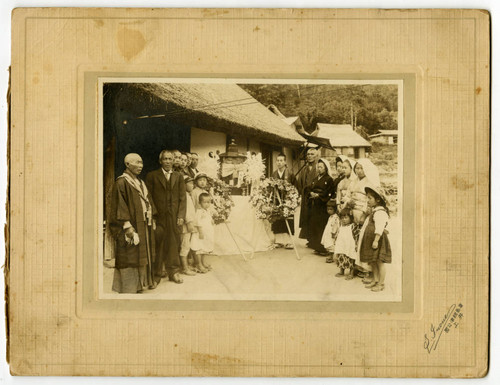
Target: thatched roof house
221	107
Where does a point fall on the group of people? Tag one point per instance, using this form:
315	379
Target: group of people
162	226
345	219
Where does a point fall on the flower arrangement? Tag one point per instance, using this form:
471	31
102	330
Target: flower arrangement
266	202
222	200
255	167
210	165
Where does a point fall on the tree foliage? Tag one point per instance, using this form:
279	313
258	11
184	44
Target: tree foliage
374	107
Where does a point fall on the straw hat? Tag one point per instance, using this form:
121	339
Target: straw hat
378	193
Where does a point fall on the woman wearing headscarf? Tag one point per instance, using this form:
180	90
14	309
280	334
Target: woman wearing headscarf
367	176
318	194
339	165
343	189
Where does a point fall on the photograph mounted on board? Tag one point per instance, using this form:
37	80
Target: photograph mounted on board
250	189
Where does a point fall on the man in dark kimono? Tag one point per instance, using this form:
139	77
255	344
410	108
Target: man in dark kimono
279	227
168	190
131	223
305	178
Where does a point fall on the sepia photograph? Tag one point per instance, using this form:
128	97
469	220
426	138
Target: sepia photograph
250	189
210	192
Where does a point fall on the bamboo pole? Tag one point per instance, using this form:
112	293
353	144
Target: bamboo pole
288	227
236	243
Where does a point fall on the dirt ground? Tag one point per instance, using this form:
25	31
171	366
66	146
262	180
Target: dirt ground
275	275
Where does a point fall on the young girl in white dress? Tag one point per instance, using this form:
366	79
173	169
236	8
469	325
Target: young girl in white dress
202	241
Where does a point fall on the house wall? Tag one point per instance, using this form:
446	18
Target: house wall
289	157
347	151
204	141
253	146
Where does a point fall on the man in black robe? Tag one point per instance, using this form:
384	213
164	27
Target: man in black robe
305	179
131	223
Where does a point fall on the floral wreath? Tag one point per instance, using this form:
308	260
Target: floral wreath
222	200
269	206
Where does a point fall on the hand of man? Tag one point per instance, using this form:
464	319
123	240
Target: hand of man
375	245
180	221
129	232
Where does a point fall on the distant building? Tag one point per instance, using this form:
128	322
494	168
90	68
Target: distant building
292	121
343	139
385	136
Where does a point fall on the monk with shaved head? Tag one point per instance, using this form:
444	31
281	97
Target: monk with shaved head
132	221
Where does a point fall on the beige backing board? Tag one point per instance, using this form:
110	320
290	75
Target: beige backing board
60	323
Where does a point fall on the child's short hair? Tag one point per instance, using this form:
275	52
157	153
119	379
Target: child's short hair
332	203
202	196
346	212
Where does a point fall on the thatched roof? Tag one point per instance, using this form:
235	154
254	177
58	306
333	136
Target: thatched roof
221	107
341	135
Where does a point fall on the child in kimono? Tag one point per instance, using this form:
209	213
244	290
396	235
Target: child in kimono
374	246
345	246
331	230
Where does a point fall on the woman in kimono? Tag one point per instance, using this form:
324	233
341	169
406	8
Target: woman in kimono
367	176
343	188
318	194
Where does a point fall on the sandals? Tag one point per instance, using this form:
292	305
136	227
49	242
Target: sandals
372	284
200	270
175	278
349	277
288	246
329	259
339	275
378	287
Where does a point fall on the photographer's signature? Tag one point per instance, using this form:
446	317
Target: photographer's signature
449	320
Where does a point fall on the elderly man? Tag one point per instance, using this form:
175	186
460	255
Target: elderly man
131	223
304	179
168	190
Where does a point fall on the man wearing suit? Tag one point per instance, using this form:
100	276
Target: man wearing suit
279	227
168	191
